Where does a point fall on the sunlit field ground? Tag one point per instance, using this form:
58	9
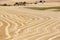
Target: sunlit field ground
30	22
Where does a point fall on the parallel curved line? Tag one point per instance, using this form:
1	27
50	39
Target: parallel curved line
12	21
51	31
6	26
44	24
50	26
54	37
35	25
47	36
41	33
53	26
29	27
15	19
19	20
1	23
7	32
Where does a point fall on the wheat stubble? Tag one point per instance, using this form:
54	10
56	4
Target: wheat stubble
23	26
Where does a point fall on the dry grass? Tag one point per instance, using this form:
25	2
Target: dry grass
18	23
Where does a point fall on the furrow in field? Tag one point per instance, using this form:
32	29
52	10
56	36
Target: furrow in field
10	29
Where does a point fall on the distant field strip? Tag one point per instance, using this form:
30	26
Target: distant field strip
57	8
29	27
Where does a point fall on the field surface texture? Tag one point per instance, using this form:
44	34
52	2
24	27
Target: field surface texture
18	23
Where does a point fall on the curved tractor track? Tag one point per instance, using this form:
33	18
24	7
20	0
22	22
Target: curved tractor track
28	27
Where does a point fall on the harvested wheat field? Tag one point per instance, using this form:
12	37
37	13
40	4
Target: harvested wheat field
19	23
